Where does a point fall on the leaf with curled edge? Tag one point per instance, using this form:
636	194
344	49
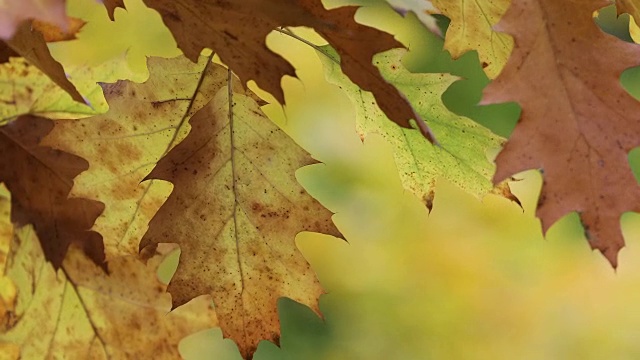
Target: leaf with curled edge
578	123
236	31
235	210
79	312
40	179
123	145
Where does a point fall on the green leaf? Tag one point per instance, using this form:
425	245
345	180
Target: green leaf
461	158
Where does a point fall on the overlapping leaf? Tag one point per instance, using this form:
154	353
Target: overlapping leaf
29	43
421	8
80	312
471	28
123	145
235	211
462	156
577	123
40	179
632	7
236	31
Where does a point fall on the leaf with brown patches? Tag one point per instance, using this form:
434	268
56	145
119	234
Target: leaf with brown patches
235	211
40	179
580	131
236	31
29	43
80	312
123	145
14	12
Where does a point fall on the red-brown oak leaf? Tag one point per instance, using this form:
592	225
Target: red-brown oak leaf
235	210
29	43
40	179
236	31
578	123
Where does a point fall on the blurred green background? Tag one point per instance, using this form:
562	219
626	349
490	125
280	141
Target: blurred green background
473	279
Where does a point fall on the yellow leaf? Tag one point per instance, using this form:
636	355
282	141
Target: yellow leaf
235	211
471	29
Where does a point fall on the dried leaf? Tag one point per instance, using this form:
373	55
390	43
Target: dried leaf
123	145
82	313
471	28
236	31
40	179
632	7
235	211
578	123
111	6
30	44
14	12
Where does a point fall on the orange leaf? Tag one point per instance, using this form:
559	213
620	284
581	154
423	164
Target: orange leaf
578	123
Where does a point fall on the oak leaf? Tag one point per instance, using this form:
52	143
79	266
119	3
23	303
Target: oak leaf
79	312
236	31
111	6
421	8
235	210
471	28
40	179
29	43
123	145
578	123
461	158
14	12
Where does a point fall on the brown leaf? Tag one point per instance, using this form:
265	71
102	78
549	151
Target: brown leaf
40	179
123	145
632	7
577	123
111	6
235	211
236	31
30	44
14	12
80	312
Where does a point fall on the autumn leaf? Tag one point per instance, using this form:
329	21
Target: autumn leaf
632	7
462	156
471	28
29	43
578	123
53	33
80	312
14	12
123	145
40	179
34	93
235	211
236	31
111	6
